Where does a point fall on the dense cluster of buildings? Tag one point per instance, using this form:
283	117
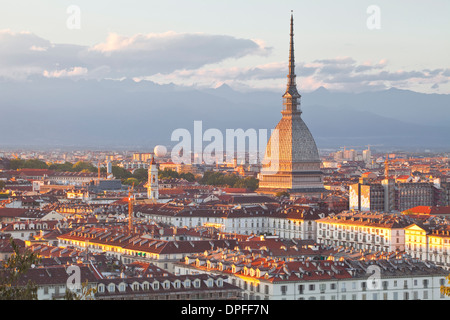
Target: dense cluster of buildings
346	226
234	247
262	278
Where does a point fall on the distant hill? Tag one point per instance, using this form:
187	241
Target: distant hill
115	114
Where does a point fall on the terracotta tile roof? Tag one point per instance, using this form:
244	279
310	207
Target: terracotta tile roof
56	275
430	210
12	212
136	242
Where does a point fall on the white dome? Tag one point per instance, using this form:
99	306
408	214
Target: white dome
160	151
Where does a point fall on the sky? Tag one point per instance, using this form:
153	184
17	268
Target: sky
347	45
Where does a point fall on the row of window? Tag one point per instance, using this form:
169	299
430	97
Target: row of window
384	285
332	227
157	285
30	226
377	296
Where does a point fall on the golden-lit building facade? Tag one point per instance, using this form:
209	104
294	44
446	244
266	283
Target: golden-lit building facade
429	243
416	241
439	247
362	231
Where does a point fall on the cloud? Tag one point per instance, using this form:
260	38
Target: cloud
118	56
340	74
72	72
147	54
345	74
267	75
192	59
35	48
23	54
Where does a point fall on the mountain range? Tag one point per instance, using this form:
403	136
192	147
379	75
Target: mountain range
108	114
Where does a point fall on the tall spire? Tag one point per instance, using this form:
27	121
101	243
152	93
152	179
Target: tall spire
291	75
291	95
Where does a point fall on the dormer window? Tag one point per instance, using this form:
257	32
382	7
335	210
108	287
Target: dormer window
111	287
166	284
187	283
155	285
197	283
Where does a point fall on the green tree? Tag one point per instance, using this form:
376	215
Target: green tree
189	176
250	183
66	166
11	271
121	173
168	174
15	164
87	293
35	164
213	178
229	180
282	194
140	174
27	164
131	181
84	166
444	289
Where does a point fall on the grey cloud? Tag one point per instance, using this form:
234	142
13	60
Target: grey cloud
380	76
140	55
337	61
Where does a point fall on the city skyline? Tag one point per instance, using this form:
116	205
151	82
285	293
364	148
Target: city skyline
142	154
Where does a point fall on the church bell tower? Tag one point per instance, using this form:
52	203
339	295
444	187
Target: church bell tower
152	184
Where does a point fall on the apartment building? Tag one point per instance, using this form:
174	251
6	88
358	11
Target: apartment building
364	230
265	278
390	195
167	287
129	247
429	242
289	222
